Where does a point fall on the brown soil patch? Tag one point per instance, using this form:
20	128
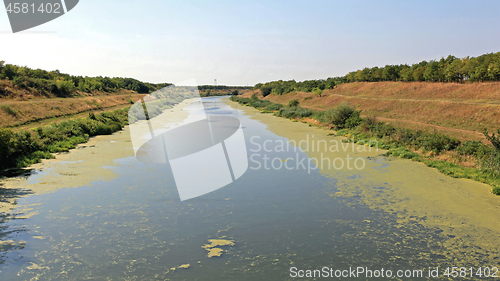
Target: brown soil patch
460	110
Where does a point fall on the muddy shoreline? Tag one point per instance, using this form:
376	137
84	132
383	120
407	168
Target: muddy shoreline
462	210
88	162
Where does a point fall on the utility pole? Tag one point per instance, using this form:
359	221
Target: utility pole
215	82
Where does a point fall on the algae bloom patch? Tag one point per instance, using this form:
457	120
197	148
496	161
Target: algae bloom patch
212	248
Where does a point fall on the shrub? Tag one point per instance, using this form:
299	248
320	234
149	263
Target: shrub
65	87
318	92
476	148
273	107
494	139
496	190
402	152
294	112
491	162
354	120
19	81
304	112
341	114
293	103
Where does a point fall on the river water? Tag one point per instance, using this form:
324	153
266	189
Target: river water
134	227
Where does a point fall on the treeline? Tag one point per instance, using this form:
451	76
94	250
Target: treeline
62	84
222	88
450	69
399	142
284	87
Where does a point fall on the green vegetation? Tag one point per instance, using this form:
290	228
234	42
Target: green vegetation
343	116
21	149
61	84
220	90
284	87
418	145
450	69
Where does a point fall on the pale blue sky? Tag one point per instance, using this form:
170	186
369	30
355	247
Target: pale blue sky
246	42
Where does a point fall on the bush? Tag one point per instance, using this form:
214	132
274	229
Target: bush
475	148
496	190
340	115
491	162
273	107
494	139
294	112
354	120
19	81
318	92
293	103
402	152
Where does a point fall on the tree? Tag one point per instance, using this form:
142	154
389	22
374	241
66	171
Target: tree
266	90
453	71
390	73
431	72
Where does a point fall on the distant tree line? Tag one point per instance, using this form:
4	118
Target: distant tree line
221	88
450	69
284	87
63	84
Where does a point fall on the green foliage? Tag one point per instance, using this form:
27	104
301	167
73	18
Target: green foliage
63	84
494	139
293	103
496	190
450	69
266	90
343	116
268	106
474	148
318	92
273	107
294	112
65	87
20	149
402	152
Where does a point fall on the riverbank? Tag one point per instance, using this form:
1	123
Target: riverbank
460	211
88	162
458	110
470	159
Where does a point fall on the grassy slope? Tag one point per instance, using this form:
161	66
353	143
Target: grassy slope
460	110
23	108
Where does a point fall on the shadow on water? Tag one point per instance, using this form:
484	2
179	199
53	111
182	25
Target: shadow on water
8	201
